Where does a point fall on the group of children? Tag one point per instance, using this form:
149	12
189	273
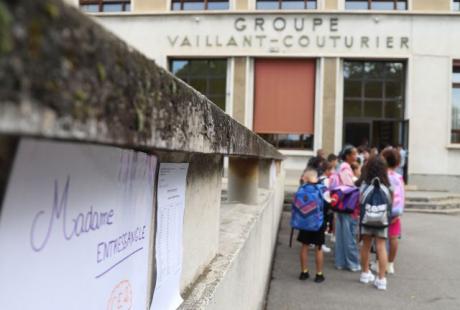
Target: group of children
360	204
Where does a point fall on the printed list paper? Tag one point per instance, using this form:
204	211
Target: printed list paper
168	244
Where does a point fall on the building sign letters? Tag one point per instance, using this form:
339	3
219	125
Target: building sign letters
287	33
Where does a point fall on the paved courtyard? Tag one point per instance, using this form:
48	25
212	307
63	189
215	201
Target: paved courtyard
427	272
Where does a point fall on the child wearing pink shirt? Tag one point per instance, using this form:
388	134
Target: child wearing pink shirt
392	158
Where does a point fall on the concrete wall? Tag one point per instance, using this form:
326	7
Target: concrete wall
247	241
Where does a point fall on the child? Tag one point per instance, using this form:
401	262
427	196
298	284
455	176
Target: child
333	160
356	171
392	158
375	169
317	238
346	247
329	170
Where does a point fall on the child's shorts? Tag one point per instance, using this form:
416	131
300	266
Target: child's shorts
395	229
374	232
311	237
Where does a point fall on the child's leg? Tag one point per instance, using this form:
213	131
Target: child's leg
365	252
319	259
304	257
383	258
393	249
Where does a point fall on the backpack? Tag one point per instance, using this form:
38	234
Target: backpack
376	203
308	208
344	199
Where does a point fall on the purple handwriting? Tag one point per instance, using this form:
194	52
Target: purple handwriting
112	247
79	225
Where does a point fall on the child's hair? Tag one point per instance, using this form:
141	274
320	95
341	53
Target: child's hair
310	175
347	150
327	165
331	157
354	166
376	167
316	163
392	157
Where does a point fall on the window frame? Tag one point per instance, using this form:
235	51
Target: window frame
369	5
206	5
454	85
100	4
453	4
280	4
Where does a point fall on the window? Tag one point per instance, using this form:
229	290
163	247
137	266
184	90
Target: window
373	108
285	4
374	89
284	102
199	5
94	6
208	76
399	5
456	5
455	131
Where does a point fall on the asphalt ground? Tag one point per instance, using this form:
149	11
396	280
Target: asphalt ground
427	272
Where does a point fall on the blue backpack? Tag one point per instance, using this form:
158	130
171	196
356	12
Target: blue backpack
307	211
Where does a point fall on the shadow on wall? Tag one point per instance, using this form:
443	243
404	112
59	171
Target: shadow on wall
8	146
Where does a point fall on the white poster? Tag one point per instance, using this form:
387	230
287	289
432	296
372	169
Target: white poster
75	227
168	241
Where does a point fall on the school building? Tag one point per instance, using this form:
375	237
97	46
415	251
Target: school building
308	74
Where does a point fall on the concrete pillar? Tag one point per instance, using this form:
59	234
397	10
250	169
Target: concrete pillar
241	5
243	180
331	4
265	173
239	89
430	5
140	6
329	103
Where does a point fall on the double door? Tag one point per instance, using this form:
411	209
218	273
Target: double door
376	133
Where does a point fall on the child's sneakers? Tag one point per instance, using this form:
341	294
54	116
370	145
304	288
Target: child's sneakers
366	277
319	278
381	284
304	276
391	268
325	248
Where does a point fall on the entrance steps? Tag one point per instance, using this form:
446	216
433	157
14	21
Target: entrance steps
432	202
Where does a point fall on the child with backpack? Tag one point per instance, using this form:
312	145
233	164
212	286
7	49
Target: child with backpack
308	216
393	159
376	204
346	220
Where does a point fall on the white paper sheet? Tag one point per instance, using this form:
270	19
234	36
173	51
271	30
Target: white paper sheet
168	244
75	227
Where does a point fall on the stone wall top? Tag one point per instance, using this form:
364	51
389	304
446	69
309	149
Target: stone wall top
62	76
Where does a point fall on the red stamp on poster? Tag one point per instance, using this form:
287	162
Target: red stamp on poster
121	297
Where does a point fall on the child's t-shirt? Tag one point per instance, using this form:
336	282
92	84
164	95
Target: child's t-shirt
397	184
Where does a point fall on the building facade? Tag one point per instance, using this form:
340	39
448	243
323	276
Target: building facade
318	74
